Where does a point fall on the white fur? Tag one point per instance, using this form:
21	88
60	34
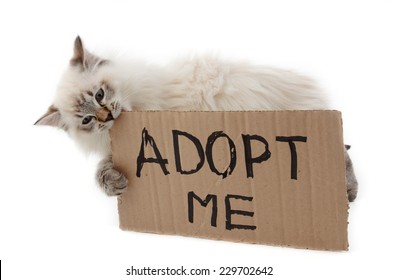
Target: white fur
197	83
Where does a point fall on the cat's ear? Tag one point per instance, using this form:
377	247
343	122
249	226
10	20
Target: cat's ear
83	58
52	118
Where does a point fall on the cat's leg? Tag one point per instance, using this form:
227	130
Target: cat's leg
109	179
351	181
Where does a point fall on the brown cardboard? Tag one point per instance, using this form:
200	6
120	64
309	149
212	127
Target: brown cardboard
304	209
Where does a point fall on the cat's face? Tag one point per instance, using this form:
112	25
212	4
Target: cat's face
87	100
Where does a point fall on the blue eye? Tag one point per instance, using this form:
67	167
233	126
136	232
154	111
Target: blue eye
87	119
99	95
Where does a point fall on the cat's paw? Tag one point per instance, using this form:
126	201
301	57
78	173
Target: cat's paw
351	180
351	194
112	181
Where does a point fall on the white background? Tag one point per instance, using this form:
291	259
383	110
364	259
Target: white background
54	221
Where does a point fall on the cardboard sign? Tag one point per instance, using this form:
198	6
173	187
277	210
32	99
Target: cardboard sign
273	177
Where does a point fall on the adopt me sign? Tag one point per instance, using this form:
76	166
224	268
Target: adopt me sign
267	177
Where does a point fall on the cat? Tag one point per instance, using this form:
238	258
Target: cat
94	91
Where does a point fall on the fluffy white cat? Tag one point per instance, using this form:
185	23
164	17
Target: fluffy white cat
94	91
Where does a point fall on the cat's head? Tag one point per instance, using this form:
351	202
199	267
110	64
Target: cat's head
87	99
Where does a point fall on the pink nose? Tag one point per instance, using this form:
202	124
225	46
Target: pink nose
104	115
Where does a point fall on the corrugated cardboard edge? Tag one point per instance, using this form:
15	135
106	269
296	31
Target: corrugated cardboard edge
120	197
346	199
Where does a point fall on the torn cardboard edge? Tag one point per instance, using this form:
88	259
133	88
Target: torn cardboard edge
266	177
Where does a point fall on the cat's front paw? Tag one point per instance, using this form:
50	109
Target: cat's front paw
351	194
351	180
112	181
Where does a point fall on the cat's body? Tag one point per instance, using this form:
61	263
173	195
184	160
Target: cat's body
93	92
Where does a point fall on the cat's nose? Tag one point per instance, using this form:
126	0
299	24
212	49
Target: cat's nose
104	115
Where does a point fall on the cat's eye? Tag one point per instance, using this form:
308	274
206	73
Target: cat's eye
99	95
87	119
